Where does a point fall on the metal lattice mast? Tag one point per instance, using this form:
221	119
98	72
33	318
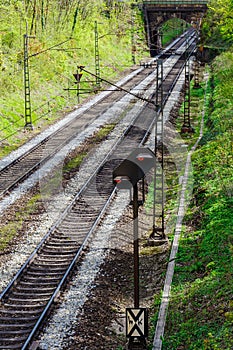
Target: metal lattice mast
186	127
186	123
97	57
27	94
196	73
158	209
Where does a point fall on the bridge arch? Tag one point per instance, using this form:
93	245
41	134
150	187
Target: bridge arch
159	11
168	28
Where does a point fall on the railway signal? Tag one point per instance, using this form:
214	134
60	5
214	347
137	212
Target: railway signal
77	77
126	176
134	168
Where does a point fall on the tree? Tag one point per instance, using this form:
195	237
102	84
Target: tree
221	18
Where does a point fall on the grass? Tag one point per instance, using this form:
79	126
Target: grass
76	159
12	228
75	162
51	70
200	315
201	298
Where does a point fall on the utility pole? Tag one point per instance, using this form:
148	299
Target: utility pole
186	127
196	73
27	93
133	43
158	202
126	176
97	56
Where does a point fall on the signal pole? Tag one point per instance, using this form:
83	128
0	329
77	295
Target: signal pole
187	127
158	202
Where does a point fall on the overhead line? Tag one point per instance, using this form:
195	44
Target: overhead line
49	48
118	87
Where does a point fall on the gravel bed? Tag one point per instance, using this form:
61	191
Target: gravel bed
56	205
62	323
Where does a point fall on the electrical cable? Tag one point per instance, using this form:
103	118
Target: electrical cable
49	48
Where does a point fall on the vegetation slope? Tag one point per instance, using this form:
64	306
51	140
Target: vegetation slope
62	36
200	315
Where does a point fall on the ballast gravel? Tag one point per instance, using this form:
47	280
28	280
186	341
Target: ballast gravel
63	322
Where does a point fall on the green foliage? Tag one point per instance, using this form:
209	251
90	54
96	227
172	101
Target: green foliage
171	29
201	307
10	230
217	28
62	37
223	10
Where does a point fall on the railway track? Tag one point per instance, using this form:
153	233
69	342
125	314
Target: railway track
14	172
18	170
26	301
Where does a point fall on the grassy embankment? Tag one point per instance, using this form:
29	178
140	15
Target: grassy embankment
200	315
52	64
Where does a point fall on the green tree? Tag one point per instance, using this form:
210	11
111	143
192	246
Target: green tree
219	21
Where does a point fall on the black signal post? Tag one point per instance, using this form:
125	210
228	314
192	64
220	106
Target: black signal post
136	246
126	176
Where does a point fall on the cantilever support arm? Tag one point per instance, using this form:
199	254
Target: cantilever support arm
119	87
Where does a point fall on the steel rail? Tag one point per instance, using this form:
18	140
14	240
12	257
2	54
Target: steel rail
61	218
171	87
100	98
63	215
64	278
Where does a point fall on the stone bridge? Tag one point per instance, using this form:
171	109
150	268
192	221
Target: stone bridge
159	11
